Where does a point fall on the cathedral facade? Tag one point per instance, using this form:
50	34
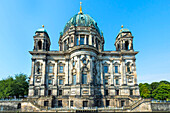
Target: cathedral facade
82	73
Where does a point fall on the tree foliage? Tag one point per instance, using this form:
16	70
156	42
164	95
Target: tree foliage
11	87
157	90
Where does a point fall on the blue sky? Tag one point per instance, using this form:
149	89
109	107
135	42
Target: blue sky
148	20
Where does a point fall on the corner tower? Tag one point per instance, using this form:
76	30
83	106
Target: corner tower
124	40
41	40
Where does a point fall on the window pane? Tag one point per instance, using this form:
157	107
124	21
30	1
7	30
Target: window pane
60	82
36	92
128	69
106	81
60	92
61	69
84	61
117	81
87	40
93	41
74	79
50	81
71	103
131	92
84	103
73	63
77	41
50	69
81	40
60	103
84	79
116	69
105	69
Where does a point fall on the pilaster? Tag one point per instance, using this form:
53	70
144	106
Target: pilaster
101	71
112	77
32	72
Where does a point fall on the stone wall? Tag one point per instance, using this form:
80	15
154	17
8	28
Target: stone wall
29	107
160	106
10	106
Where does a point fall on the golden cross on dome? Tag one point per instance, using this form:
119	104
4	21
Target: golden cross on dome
43	26
80	9
121	26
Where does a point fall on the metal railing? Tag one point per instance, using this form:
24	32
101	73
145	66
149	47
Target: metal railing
160	101
10	100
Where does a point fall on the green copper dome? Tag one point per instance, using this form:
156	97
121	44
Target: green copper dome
41	30
124	31
81	20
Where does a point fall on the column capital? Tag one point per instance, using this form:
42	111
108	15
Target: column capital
33	59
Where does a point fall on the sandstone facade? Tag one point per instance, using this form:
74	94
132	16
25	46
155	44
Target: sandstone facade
82	73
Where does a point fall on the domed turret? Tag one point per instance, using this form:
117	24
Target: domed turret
124	40
81	29
83	20
41	40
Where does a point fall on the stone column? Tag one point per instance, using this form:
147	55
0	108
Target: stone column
85	43
79	39
122	71
55	73
101	71
90	39
112	77
54	91
43	79
123	45
43	73
123	74
130	45
45	45
32	78
70	72
66	71
135	75
91	70
78	78
95	41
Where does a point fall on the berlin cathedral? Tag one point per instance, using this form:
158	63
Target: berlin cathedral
81	73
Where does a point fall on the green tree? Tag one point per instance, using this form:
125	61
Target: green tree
153	85
164	81
162	92
21	85
144	91
7	87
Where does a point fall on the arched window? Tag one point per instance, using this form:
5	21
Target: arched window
39	44
84	78
38	69
116	69
87	40
92	41
77	41
126	45
118	47
81	40
106	69
128	67
51	68
74	79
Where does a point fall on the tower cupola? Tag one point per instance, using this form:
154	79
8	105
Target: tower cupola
41	40
124	40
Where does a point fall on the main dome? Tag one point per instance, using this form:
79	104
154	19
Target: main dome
83	20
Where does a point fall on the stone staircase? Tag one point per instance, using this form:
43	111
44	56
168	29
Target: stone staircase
139	102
